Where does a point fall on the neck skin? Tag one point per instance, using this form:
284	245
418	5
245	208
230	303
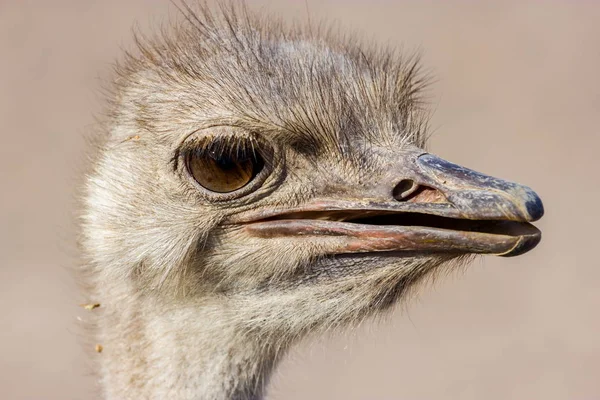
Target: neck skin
155	349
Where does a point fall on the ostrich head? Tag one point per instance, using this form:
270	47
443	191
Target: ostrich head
258	183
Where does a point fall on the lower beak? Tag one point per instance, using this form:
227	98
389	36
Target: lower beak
434	206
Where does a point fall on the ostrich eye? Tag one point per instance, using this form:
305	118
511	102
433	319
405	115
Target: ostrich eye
224	166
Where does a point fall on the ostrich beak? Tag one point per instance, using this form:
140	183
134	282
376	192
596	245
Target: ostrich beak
426	205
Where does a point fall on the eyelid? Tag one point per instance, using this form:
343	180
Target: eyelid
218	145
238	152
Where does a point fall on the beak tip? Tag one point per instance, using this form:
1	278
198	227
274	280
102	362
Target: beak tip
534	207
525	244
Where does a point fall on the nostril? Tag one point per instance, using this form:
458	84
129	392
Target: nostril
404	189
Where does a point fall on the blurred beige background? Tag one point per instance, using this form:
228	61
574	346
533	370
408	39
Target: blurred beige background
517	95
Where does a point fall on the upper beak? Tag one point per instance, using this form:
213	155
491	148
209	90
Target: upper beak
424	205
474	195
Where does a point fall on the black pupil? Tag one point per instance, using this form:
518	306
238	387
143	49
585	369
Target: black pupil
226	162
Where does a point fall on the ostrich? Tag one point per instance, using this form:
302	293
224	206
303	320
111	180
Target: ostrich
258	183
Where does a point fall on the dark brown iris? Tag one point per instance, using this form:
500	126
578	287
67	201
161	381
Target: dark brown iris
226	168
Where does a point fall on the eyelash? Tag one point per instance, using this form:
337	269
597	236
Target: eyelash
204	145
219	147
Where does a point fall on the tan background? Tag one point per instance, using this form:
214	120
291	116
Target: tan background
517	95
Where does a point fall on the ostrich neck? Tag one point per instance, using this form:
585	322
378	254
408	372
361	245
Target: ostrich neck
154	349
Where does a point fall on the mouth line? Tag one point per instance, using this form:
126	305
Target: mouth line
411	219
365	231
